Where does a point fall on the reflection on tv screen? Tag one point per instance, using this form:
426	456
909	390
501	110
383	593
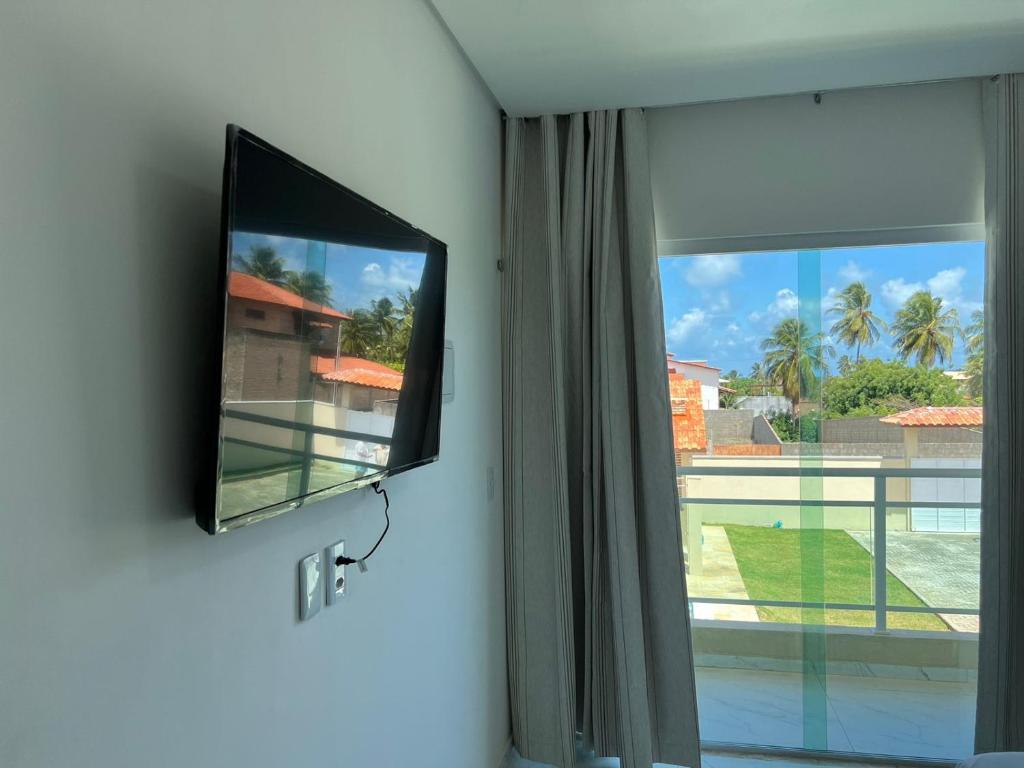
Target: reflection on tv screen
317	341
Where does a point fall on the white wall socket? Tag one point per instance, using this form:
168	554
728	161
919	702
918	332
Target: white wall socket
335	573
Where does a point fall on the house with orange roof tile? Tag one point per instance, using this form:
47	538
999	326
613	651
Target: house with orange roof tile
699	370
283	347
283	360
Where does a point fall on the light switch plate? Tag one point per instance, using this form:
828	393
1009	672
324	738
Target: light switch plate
335	580
310	578
448	372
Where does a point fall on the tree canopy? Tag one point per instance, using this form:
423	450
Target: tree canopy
877	387
925	330
264	263
857	324
794	358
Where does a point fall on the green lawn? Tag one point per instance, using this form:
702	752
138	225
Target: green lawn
786	564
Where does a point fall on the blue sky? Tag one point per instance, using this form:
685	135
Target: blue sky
719	307
356	275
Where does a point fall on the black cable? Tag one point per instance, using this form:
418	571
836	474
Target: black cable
361	561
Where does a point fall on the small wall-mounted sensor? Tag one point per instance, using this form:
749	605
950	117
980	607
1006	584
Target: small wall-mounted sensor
448	373
335	573
309	586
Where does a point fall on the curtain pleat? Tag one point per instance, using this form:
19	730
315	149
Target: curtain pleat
1000	715
598	627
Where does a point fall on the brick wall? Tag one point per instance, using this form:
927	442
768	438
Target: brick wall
260	366
750	449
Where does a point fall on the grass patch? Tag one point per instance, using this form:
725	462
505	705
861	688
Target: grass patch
779	564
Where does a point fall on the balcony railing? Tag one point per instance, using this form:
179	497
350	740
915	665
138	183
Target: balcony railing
879	504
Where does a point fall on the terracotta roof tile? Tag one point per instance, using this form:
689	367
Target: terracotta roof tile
930	416
356	370
243	286
688	428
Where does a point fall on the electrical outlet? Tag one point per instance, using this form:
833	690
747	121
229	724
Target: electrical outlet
335	573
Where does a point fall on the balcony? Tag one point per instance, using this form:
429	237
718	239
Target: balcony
825	618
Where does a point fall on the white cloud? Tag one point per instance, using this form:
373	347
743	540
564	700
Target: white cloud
681	328
831	299
895	292
785	304
947	283
720	304
852	272
401	274
732	328
705	271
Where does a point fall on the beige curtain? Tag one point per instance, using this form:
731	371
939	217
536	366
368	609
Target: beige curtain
598	627
1000	718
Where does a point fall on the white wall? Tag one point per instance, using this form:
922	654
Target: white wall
906	157
127	636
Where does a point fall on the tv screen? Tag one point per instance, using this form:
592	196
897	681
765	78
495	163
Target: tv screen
332	313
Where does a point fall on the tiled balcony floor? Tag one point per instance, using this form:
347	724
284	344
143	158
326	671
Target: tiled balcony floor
870	715
887	716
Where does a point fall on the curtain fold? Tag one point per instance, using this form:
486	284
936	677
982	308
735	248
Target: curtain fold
1000	715
598	626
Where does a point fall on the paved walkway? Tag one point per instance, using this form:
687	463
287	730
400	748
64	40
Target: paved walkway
940	568
721	578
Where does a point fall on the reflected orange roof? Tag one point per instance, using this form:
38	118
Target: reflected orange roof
932	416
688	429
357	370
243	286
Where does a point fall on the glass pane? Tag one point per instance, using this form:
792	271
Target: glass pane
831	530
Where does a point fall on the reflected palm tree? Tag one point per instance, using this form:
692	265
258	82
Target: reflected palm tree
359	335
263	263
310	285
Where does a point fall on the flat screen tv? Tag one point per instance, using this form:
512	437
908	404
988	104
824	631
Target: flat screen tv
332	338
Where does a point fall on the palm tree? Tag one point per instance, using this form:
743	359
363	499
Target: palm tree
925	330
759	375
309	285
974	341
406	313
857	324
974	334
264	263
794	357
360	335
845	365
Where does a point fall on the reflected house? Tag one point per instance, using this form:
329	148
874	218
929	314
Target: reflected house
283	361
273	338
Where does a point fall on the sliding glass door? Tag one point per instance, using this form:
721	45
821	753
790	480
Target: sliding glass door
827	422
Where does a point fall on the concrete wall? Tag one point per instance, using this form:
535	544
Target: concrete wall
867	429
887	450
949	435
780	488
728	426
128	636
763	433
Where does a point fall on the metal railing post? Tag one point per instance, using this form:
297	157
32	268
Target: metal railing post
881	595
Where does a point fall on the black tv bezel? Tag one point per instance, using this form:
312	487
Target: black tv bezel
208	507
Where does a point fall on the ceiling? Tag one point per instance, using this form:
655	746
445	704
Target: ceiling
540	56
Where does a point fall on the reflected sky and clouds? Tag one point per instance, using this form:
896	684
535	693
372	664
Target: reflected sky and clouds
356	275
